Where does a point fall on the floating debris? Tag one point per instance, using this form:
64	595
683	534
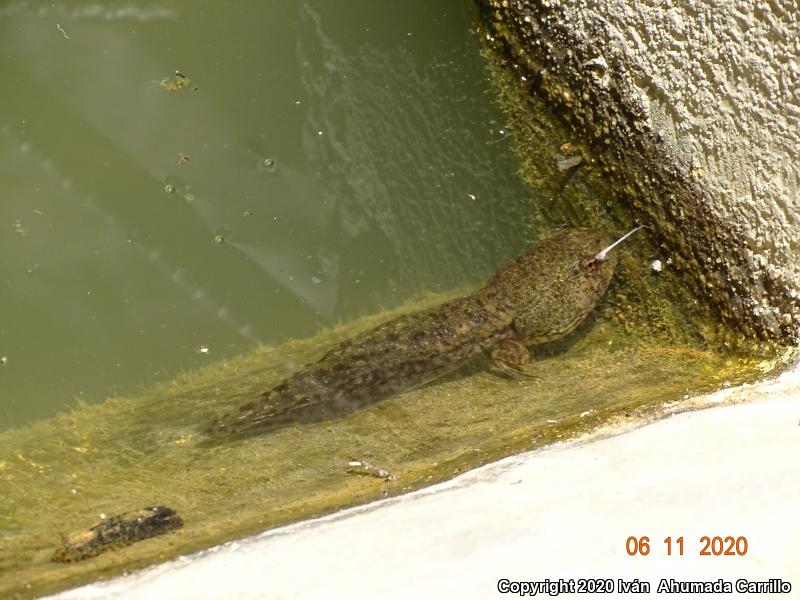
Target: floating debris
656	266
175	84
184	159
169	188
361	467
3	361
113	532
203	349
218	239
21	230
269	163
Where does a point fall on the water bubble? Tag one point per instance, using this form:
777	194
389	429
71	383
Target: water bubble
218	239
170	189
269	163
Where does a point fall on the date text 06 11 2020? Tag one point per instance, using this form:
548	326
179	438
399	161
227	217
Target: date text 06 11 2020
708	545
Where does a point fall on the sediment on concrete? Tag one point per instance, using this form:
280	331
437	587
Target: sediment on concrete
692	108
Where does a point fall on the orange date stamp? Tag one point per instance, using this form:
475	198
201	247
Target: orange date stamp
674	546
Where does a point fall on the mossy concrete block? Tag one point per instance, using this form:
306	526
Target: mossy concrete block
693	108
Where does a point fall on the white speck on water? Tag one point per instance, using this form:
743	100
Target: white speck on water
203	349
656	266
316	280
586	413
3	360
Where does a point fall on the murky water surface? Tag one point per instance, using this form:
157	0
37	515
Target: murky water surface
312	162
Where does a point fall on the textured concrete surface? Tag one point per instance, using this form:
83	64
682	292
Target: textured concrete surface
561	513
693	108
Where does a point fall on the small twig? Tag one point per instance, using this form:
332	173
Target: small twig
61	29
362	467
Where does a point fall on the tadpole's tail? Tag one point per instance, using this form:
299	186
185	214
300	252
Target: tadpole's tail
263	415
308	396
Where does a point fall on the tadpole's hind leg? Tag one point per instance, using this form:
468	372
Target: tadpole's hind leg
510	354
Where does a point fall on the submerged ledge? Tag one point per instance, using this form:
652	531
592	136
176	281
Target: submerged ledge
61	474
546	514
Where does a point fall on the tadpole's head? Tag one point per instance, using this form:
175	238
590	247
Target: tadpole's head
558	281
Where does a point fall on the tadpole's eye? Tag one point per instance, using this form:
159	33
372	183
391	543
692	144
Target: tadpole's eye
590	265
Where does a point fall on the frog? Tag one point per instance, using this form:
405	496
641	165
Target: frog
540	296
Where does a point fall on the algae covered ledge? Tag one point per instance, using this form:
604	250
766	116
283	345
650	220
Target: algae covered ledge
61	474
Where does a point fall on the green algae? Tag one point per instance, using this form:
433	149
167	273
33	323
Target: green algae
60	474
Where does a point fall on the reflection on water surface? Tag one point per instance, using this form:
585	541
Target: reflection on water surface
182	181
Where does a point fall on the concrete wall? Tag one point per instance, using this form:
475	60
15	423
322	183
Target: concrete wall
693	107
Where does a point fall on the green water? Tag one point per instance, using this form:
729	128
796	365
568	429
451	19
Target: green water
347	154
